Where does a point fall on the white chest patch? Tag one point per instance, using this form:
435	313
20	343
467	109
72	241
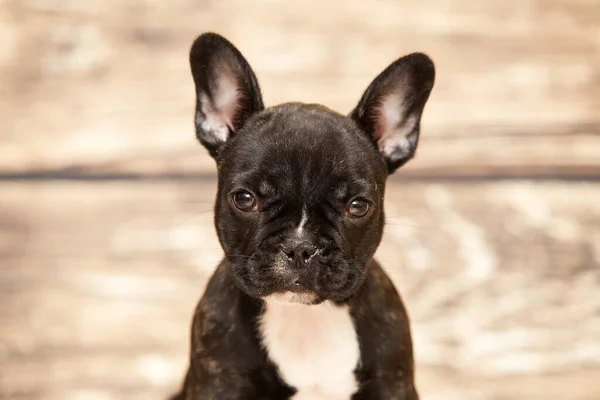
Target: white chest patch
314	346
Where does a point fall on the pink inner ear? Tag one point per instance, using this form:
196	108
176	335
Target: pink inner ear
221	111
389	116
378	129
392	126
226	101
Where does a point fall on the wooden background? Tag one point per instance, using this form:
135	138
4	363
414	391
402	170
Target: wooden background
106	236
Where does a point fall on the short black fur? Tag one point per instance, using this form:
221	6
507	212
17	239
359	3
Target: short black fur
300	162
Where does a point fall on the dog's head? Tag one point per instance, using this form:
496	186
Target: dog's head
299	207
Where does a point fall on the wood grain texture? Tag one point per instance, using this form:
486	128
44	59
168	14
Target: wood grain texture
106	86
98	282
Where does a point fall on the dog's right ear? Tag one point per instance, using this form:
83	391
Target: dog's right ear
227	92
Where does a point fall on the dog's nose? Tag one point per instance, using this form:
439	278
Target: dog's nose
302	252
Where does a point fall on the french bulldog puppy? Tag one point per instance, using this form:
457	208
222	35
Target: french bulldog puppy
298	308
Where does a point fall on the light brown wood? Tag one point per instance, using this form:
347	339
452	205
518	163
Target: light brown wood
92	84
98	282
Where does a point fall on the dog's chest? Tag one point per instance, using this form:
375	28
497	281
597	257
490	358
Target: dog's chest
315	348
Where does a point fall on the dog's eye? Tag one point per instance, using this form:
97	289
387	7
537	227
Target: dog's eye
357	208
244	201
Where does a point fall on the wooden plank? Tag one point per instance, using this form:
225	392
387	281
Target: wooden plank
467	153
89	85
99	282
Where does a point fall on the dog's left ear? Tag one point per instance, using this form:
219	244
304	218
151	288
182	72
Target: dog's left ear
391	107
227	91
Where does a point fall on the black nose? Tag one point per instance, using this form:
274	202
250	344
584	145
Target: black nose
299	252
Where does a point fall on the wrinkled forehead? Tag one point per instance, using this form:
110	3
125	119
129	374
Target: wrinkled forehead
294	168
305	156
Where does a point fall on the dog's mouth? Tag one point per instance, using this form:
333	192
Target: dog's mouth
264	276
295	292
294	287
307	297
297	287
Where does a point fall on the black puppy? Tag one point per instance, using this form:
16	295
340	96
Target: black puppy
299	308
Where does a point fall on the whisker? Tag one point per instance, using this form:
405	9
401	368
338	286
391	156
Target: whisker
239	256
187	218
410	225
